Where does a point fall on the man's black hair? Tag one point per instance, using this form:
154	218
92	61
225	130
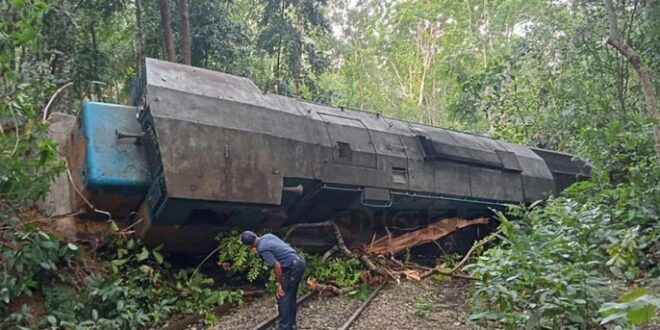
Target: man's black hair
248	237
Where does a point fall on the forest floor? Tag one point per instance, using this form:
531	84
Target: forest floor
410	305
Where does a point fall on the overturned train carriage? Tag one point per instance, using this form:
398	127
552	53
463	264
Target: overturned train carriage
200	152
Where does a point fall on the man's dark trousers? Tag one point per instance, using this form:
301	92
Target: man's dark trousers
287	305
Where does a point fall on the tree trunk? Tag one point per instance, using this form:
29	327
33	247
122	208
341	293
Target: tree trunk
636	61
167	30
185	31
139	45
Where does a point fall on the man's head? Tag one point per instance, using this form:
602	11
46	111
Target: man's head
249	238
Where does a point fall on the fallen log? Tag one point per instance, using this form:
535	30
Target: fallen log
388	245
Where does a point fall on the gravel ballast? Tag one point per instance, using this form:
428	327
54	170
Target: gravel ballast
409	305
417	305
318	313
248	315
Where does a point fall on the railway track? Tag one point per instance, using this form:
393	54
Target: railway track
409	305
314	312
270	322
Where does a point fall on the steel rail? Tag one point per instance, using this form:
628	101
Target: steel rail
271	319
362	307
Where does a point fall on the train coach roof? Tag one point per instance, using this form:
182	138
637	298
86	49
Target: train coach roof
241	90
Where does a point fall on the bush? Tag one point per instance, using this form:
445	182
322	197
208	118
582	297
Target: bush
541	276
558	263
134	288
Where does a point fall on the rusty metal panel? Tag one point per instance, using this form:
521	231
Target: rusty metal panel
207	162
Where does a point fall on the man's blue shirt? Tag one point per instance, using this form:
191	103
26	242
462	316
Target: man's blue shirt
271	248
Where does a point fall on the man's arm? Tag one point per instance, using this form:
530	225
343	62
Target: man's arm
269	258
277	268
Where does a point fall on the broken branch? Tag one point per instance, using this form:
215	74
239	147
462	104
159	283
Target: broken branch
305	225
460	265
320	287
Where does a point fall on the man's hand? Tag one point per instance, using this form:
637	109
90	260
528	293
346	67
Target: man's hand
279	293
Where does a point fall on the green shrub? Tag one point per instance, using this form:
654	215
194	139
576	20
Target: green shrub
558	263
545	273
635	308
135	290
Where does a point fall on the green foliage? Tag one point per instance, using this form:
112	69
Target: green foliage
31	259
343	272
533	72
543	275
635	307
620	152
27	160
286	36
558	263
446	264
146	274
137	289
28	163
237	258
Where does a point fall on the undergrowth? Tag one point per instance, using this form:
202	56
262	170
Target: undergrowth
125	285
564	263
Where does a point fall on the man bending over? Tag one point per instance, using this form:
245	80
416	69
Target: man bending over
288	266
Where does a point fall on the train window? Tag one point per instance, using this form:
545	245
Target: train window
343	150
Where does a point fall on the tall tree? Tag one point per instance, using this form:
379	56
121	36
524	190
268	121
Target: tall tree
166	24
185	32
139	43
288	36
636	61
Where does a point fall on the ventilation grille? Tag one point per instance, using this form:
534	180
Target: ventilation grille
343	150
